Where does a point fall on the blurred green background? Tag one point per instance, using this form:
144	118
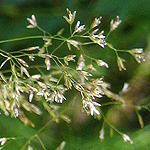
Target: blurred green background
82	133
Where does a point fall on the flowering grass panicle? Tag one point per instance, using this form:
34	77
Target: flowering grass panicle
21	87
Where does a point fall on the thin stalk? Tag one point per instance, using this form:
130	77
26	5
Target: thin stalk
35	135
23	38
42	144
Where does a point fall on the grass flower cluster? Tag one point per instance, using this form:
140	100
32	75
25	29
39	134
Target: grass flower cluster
20	87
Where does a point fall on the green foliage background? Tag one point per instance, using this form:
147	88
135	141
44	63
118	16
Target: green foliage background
82	132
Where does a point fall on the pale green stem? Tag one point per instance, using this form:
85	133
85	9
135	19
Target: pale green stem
108	35
71	30
35	135
19	39
106	121
42	144
58	47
